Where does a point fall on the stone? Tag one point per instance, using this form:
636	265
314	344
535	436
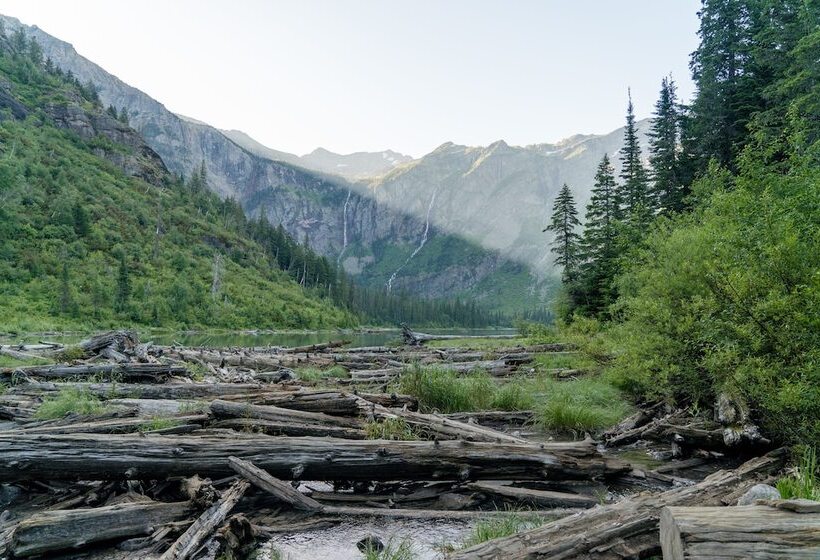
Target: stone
371	543
758	492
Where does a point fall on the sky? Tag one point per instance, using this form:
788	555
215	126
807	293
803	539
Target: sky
369	75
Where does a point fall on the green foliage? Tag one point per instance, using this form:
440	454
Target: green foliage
445	391
729	299
390	428
499	527
564	223
581	405
71	353
311	374
475	343
803	483
159	423
513	395
69	401
84	247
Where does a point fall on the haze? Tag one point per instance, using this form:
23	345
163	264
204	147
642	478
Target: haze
371	75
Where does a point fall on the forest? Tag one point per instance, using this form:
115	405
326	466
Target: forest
700	272
83	246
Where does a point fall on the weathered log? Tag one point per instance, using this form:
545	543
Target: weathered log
153	372
348	511
529	496
56	530
445	428
315	347
110	457
228	409
513	418
114	426
190	540
627	529
741	533
117	340
261	479
171	391
288	428
414	338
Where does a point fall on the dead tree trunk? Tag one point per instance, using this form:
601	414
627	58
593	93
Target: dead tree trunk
105	457
51	531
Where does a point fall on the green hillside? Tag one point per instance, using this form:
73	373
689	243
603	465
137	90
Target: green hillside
84	245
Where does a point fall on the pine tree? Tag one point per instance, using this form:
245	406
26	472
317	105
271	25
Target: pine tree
635	189
664	142
726	92
123	117
599	243
563	224
123	294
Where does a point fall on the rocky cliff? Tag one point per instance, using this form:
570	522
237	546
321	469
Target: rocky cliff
383	245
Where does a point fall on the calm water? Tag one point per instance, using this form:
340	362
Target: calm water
223	339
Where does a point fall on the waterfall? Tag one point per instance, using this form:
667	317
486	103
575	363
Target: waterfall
421	243
344	229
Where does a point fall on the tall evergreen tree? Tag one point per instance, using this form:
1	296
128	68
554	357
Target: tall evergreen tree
664	142
635	190
566	243
600	242
727	92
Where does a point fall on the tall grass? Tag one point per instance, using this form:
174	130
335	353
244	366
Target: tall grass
312	374
803	483
498	527
445	391
390	428
401	550
581	405
69	400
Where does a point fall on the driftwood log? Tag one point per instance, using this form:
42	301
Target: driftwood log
152	372
204	526
739	533
56	530
626	529
105	457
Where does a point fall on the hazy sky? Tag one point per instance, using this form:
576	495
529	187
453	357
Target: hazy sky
353	75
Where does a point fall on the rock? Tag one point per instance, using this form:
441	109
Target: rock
370	543
758	492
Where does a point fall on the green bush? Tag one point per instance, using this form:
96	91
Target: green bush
728	299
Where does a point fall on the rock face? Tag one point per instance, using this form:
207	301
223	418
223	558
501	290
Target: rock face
498	196
371	239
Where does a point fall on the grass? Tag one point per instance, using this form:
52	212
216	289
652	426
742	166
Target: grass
498	527
69	400
402	550
71	354
396	429
477	343
8	361
581	405
553	361
159	423
316	375
575	406
803	483
445	391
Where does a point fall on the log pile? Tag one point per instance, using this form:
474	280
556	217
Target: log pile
199	452
193	443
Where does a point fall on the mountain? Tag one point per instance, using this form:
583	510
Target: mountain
380	245
498	196
95	232
358	165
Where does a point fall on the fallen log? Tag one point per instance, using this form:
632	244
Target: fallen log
288	428
546	498
738	533
413	338
315	347
349	511
285	492
57	530
152	372
167	391
228	409
190	540
626	529
111	457
114	426
438	426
